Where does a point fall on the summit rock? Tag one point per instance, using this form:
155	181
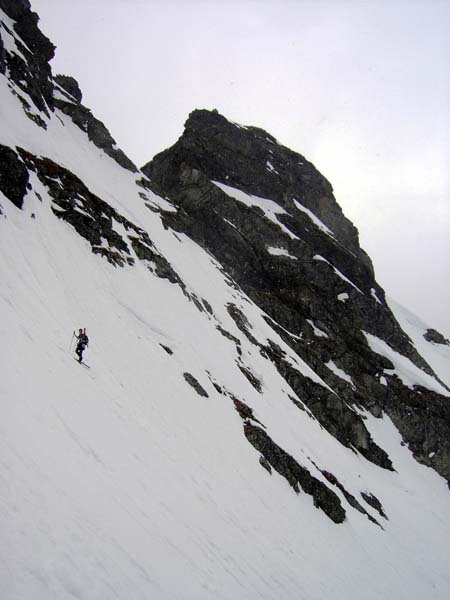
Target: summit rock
270	218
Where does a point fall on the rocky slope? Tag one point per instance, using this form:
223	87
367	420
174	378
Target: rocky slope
270	218
25	53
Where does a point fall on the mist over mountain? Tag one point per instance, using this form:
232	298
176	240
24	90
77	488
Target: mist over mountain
254	417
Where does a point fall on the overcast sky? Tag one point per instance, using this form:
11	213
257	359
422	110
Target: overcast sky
361	88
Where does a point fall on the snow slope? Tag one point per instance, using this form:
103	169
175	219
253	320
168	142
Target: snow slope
121	481
437	355
122	478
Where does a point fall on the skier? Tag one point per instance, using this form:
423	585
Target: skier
83	341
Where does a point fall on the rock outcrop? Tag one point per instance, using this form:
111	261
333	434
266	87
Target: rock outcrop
13	176
90	216
433	336
70	86
271	220
297	476
30	76
28	65
67	97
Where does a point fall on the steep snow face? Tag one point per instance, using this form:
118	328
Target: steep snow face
121	479
404	368
438	355
132	476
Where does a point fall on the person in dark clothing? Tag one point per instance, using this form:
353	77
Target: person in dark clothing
83	341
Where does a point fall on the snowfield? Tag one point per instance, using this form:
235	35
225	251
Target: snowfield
437	355
121	477
120	480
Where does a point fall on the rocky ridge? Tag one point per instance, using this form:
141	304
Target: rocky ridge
305	269
25	53
67	97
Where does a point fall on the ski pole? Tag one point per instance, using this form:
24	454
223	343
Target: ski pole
70	347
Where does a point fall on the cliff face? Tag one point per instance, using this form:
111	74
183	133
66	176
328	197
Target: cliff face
25	55
67	97
271	220
251	159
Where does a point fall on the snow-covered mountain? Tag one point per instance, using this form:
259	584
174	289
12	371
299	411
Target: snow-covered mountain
253	420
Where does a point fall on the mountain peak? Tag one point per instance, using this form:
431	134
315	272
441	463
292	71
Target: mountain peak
252	160
270	219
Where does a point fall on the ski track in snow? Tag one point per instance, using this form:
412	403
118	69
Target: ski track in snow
122	482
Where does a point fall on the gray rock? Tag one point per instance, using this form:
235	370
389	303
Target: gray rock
349	497
374	503
95	220
266	464
245	412
296	475
34	75
2	57
13	176
70	85
295	292
192	381
433	336
96	131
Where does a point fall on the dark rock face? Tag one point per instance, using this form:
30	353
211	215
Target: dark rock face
2	57
423	419
30	72
16	9
95	220
265	464
13	176
167	349
239	156
85	120
245	412
331	411
192	381
306	271
291	290
241	321
253	380
33	76
433	336
297	476
374	503
70	85
348	496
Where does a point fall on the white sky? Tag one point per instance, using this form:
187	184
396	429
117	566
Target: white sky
361	88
